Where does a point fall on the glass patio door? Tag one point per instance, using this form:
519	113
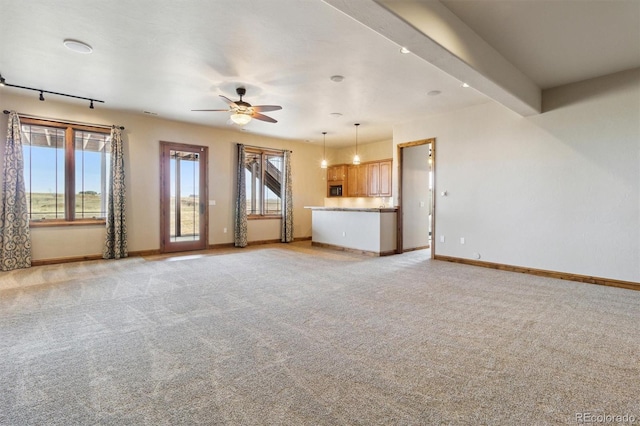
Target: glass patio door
183	197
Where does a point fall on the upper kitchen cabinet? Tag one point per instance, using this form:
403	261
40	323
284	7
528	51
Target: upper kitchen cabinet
336	173
379	178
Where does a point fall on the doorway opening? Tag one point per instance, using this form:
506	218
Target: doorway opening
416	201
183	197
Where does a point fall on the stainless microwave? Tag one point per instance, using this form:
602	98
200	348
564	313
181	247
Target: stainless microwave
335	191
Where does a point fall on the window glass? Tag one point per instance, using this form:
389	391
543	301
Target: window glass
273	185
44	171
64	167
263	179
91	166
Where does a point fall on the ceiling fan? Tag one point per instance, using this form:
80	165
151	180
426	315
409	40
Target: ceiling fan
242	112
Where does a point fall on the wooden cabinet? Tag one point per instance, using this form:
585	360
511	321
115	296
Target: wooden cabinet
336	173
357	181
337	177
371	179
379	179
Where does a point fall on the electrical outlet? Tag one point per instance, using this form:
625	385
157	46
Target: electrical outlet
442	238
224	230
461	240
421	203
344	234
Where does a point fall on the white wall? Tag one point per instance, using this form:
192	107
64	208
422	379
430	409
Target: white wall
559	191
369	231
142	138
368	152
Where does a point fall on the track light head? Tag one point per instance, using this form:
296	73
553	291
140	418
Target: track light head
91	104
41	96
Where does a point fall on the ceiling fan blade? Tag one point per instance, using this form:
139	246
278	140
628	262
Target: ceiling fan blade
263	117
225	110
231	103
265	108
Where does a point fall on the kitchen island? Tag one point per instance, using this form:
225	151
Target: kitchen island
370	231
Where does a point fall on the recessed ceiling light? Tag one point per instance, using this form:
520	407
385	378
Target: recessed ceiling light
465	85
77	46
404	50
336	78
336	114
434	93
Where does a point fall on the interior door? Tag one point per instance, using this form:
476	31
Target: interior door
416	178
183	197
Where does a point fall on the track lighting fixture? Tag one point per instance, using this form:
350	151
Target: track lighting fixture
3	83
323	164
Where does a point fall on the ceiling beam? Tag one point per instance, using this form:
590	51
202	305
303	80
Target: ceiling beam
432	32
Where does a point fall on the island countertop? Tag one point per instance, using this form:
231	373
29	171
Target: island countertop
355	209
370	230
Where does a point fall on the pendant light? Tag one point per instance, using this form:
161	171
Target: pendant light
356	158
323	164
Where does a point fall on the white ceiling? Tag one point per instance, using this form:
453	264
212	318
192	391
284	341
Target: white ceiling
561	41
168	57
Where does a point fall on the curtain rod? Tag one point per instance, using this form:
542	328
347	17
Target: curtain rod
265	148
103	126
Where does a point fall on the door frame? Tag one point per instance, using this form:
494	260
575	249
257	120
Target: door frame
165	196
400	154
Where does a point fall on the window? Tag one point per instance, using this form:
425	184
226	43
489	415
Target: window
65	169
263	172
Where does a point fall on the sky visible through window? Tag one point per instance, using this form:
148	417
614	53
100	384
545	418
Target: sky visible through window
44	163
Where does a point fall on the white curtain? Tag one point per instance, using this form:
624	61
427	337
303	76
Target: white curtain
240	231
286	234
15	238
116	242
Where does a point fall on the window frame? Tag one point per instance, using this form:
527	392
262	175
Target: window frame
264	152
69	173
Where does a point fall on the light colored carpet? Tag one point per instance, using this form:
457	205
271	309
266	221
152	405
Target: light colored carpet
294	335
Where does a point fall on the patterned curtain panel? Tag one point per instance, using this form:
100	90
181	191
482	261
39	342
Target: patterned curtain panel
15	238
116	242
240	232
286	234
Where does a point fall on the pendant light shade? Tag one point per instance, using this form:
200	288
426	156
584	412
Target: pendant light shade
323	164
356	158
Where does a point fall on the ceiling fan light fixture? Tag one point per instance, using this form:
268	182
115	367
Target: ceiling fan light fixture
240	118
